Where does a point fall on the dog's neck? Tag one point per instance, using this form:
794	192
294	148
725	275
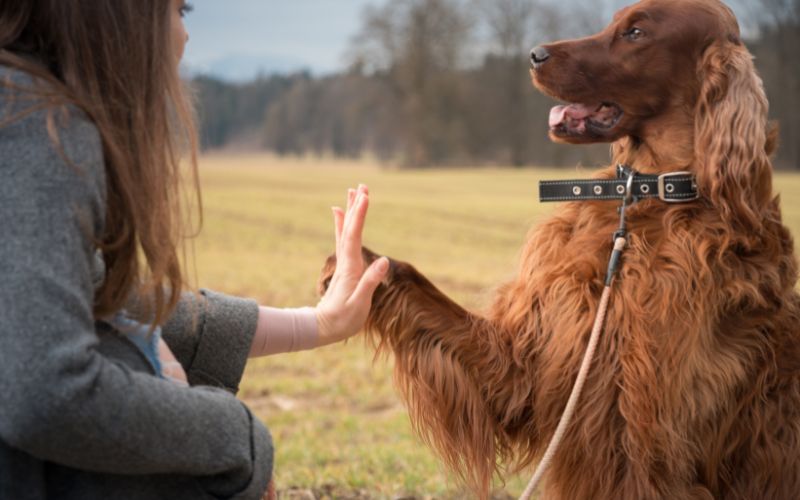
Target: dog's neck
664	144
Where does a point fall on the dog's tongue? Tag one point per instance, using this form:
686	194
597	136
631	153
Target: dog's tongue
572	113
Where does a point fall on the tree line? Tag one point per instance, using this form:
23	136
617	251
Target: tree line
441	82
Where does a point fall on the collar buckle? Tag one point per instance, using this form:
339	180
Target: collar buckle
665	187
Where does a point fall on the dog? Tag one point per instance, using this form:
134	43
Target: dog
694	391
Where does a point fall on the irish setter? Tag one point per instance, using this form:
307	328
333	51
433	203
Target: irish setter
695	389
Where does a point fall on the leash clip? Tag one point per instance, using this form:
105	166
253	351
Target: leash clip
629	200
629	189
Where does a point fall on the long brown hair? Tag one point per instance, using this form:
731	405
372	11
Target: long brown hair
115	60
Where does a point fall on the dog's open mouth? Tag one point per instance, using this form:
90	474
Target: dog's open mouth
584	119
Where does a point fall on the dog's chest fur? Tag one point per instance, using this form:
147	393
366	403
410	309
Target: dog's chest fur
678	352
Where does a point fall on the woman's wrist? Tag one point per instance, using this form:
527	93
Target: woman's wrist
285	330
329	332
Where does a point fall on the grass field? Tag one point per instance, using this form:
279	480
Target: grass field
339	427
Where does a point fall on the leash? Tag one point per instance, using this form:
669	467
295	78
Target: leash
630	186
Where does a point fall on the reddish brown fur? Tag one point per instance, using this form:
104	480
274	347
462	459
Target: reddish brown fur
695	389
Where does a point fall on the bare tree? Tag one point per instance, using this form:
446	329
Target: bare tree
775	41
445	81
513	26
418	46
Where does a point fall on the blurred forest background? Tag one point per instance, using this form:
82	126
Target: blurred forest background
445	82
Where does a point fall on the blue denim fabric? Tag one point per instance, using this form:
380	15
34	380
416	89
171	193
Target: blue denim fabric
140	335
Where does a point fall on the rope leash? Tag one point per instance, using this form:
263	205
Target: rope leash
569	411
620	241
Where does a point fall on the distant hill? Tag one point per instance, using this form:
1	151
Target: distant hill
241	68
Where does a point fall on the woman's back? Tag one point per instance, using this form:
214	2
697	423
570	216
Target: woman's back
74	394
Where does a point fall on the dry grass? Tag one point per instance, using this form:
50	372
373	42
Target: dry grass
338	425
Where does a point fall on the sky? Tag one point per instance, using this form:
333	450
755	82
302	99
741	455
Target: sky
237	39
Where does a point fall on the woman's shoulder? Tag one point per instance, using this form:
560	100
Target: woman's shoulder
32	103
42	136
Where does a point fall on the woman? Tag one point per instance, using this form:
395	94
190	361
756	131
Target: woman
92	120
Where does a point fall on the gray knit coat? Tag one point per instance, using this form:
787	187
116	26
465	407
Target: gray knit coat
82	415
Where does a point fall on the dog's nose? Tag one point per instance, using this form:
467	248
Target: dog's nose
538	56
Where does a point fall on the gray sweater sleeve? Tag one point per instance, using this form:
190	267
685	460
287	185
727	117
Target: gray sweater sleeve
211	334
60	399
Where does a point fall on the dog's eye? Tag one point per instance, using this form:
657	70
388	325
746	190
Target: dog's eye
633	34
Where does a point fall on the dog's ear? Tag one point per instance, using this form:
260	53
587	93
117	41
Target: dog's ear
732	138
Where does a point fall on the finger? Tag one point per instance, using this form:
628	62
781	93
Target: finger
351	197
354	194
373	276
359	216
348	216
353	229
352	232
338	223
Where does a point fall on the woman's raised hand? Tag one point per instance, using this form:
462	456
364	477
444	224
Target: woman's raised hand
343	309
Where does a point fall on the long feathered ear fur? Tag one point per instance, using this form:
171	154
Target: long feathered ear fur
733	139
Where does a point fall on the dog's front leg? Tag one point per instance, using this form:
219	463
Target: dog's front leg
449	364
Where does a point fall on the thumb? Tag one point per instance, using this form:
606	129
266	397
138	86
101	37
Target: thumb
371	279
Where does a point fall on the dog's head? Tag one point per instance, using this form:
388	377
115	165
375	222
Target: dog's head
644	63
675	76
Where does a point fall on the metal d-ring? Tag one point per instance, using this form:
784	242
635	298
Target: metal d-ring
629	188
